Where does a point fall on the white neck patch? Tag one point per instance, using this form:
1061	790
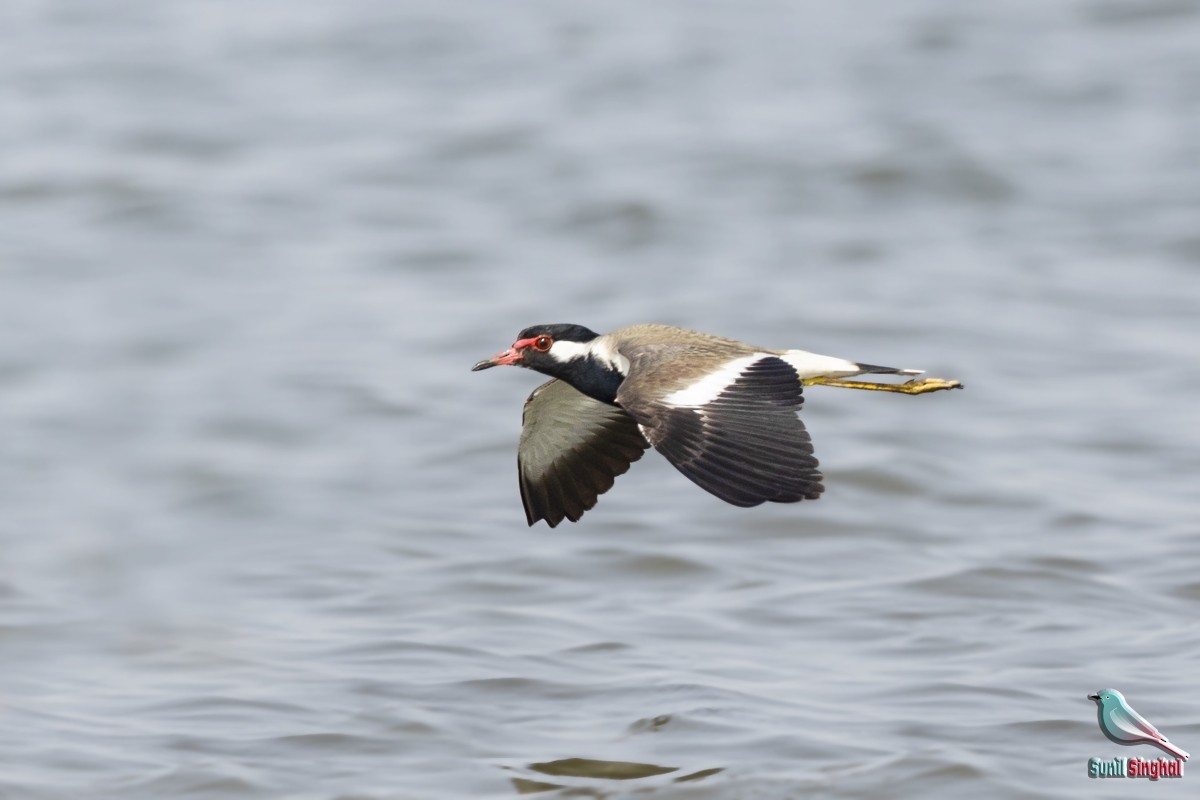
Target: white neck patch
600	348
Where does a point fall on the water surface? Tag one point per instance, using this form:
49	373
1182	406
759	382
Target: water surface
261	532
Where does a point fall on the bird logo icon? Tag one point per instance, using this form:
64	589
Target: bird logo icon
1121	724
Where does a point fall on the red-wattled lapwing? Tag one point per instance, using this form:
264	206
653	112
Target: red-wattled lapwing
723	412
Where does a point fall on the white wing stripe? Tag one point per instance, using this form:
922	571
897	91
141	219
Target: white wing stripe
707	389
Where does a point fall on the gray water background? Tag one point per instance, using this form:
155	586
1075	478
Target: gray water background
260	534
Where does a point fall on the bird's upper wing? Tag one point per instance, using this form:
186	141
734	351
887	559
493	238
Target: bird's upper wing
734	431
572	449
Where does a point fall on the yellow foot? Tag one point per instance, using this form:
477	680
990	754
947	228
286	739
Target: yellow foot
915	386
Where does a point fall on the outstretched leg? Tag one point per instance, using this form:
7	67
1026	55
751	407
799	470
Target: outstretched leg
915	386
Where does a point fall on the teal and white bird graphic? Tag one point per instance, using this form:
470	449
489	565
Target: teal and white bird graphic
1123	725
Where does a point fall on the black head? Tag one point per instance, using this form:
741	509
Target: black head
544	347
560	332
562	351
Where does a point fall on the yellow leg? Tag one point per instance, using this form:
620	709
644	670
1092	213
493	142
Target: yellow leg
915	386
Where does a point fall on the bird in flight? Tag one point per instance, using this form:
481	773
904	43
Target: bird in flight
723	412
1123	725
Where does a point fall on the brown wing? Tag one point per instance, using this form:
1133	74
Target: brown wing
572	449
745	444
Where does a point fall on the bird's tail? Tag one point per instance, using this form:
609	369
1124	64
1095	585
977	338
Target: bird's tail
814	369
1170	748
875	369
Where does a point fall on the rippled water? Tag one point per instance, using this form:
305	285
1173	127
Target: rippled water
260	527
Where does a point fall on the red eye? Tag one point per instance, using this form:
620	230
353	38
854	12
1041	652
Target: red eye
542	343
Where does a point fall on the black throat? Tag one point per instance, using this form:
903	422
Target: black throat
592	377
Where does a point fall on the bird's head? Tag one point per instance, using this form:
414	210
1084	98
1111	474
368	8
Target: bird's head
1105	696
573	353
549	349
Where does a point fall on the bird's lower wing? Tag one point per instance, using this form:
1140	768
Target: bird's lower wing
1138	727
741	442
572	449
